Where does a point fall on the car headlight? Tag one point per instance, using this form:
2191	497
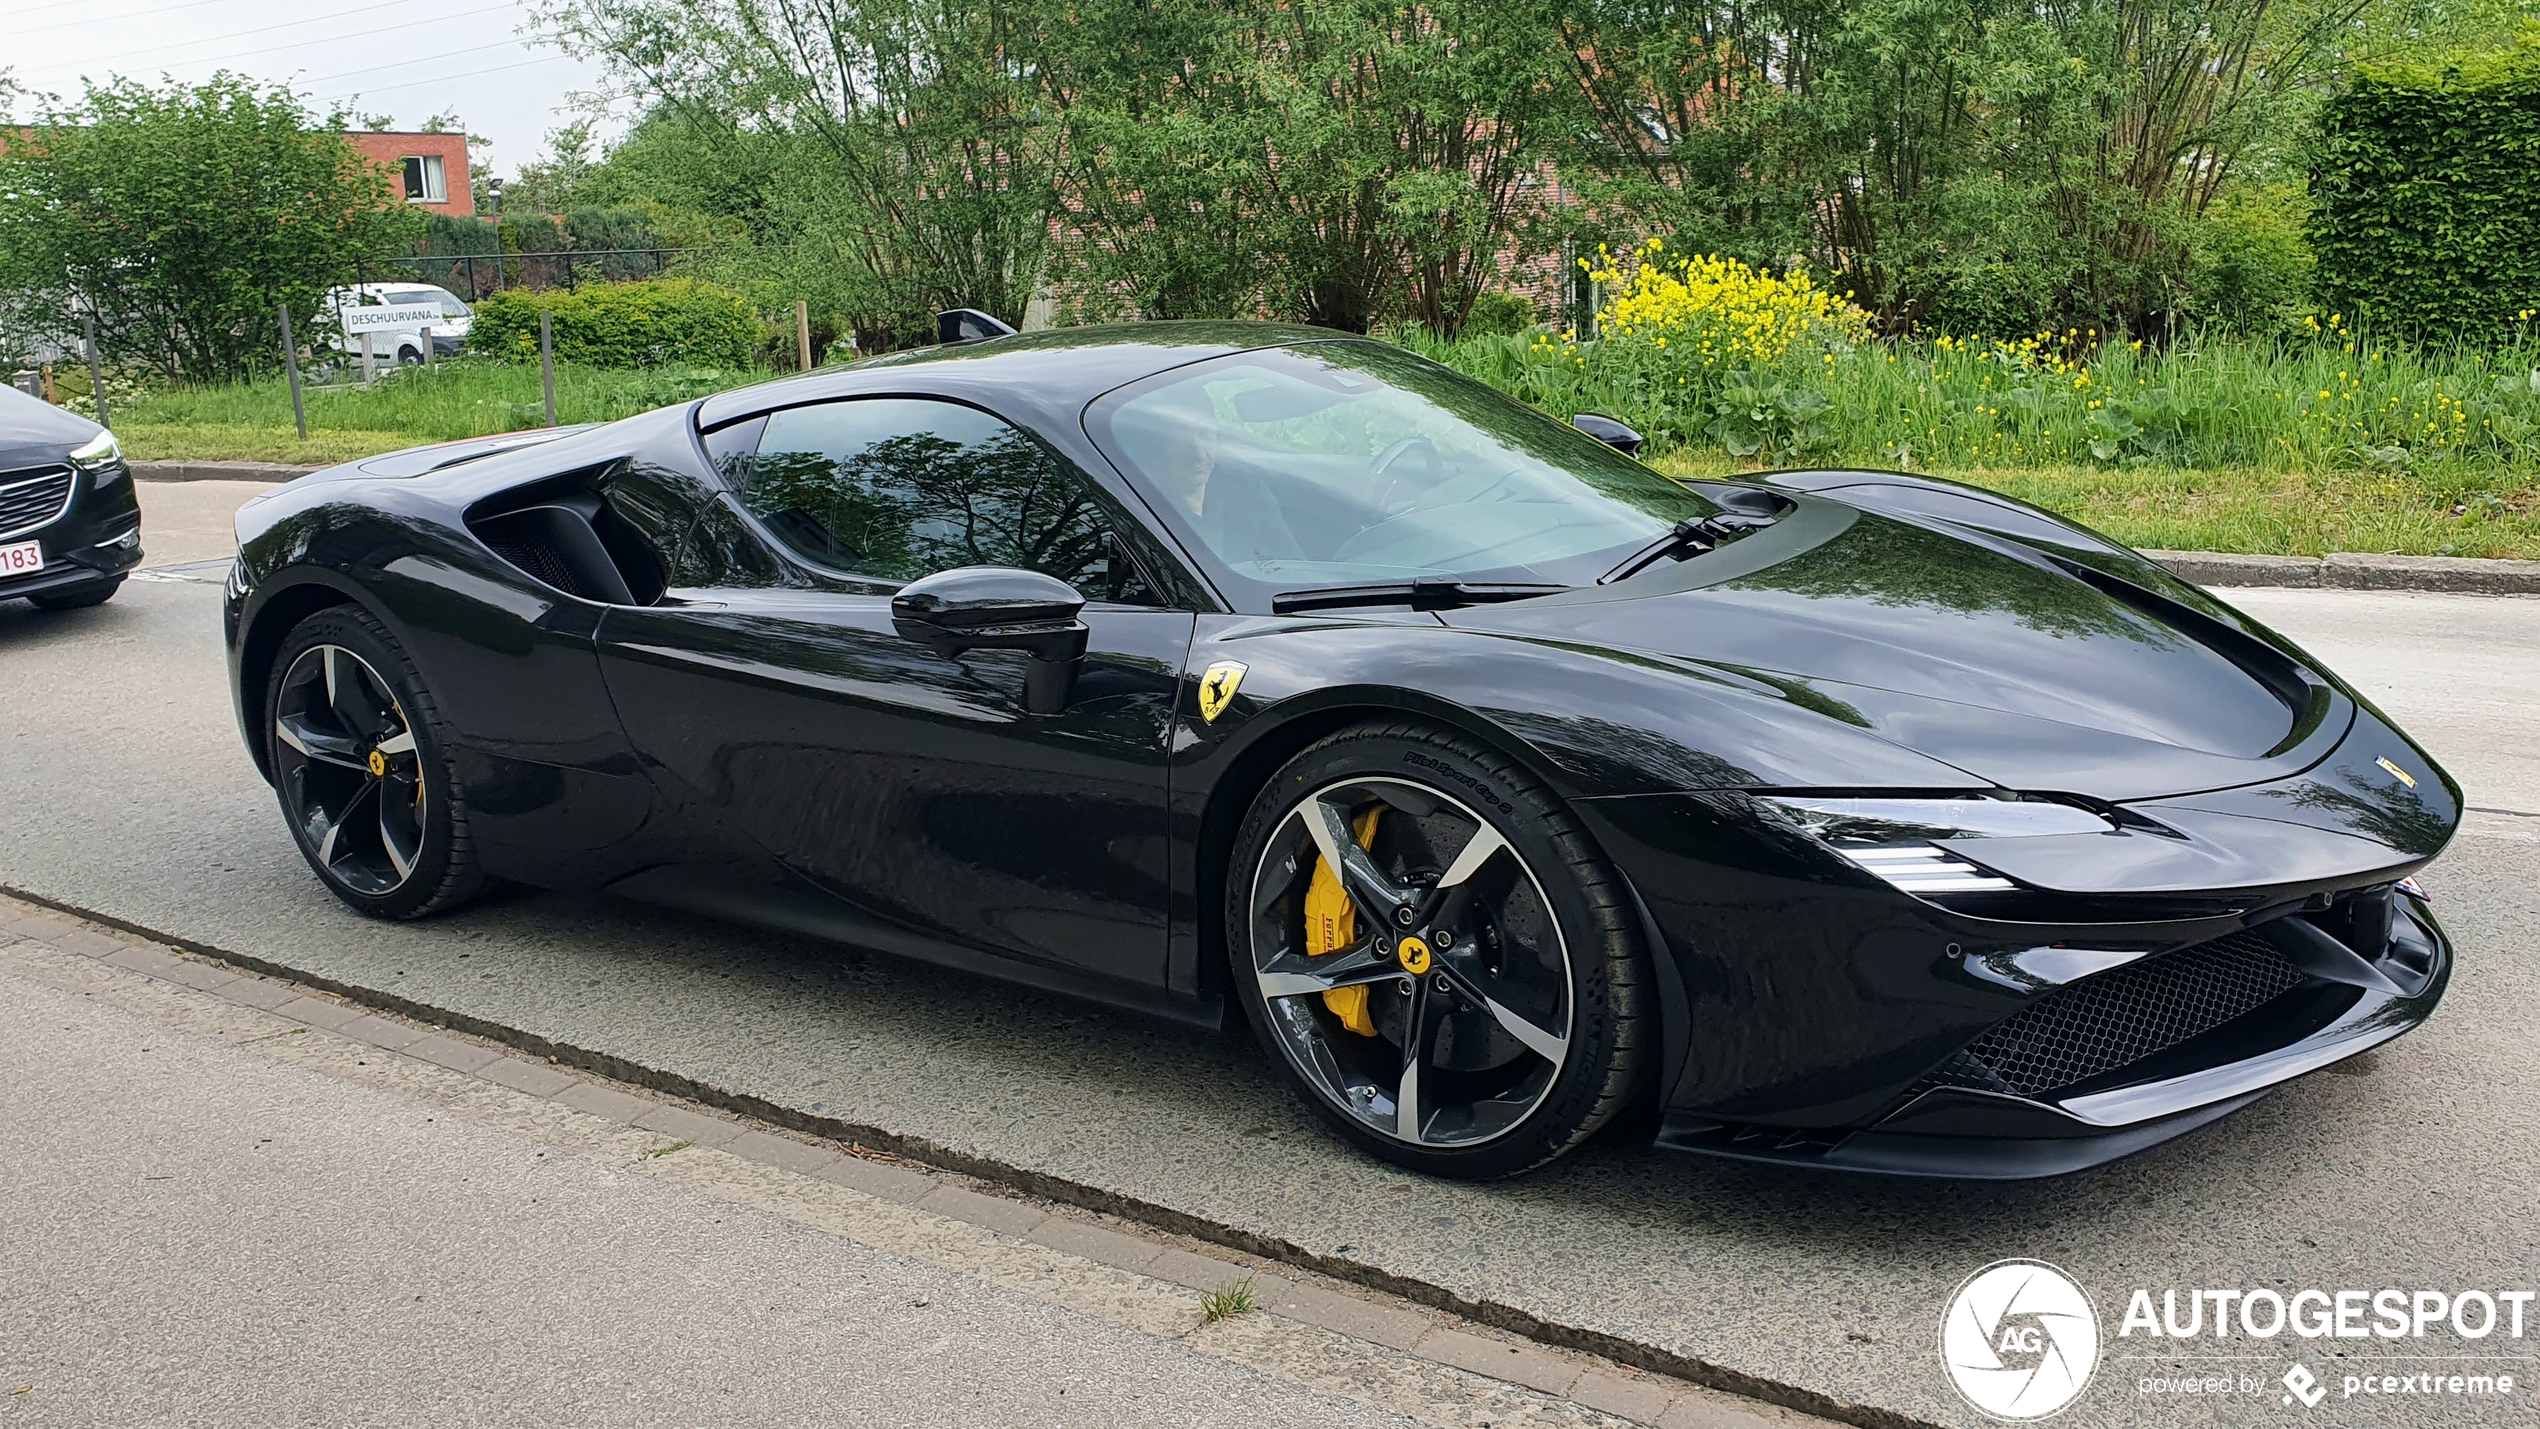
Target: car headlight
1896	838
101	456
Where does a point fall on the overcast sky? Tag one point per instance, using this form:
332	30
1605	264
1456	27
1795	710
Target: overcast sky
410	59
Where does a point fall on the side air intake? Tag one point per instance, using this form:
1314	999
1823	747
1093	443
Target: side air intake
570	539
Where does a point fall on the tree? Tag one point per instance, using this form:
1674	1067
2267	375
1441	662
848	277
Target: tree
551	185
1978	164
922	165
182	216
1344	162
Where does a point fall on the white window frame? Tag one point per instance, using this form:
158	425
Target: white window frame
425	179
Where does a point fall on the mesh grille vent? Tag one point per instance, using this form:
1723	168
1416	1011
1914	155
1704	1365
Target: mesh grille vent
541	561
29	499
2121	1017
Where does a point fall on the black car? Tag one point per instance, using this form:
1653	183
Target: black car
69	525
1863	820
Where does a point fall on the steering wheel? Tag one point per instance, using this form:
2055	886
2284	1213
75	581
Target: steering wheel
1393	500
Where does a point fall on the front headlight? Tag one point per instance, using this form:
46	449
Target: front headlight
101	456
1896	838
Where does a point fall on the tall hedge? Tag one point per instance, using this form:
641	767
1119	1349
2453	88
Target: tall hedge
622	324
2426	197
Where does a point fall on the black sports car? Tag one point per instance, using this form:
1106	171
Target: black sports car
69	526
1864	820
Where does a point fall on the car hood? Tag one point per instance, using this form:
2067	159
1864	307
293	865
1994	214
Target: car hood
2028	668
33	432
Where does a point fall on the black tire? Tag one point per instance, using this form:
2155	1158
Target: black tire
1433	792
418	860
77	597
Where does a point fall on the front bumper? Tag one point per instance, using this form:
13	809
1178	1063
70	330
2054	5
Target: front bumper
2213	1028
95	538
2126	988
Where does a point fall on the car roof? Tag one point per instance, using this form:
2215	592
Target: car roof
1056	367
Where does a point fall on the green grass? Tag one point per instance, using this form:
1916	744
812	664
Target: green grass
1229	1301
2280	513
2321	444
448	401
2236	452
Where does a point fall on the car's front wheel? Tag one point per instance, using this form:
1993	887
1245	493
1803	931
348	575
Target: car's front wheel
361	765
1441	959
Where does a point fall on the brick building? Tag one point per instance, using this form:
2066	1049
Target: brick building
431	167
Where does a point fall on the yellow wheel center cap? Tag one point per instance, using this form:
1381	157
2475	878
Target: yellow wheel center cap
1414	956
378	764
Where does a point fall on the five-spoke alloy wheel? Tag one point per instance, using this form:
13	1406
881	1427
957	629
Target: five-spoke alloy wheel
358	769
1435	953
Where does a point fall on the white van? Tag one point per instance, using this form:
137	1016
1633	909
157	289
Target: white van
405	346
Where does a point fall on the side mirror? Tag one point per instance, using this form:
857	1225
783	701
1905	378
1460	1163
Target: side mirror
961	325
998	608
1613	433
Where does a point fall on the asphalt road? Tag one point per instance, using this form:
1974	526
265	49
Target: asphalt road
123	790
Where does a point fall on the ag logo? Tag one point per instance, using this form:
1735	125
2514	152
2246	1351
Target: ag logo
2019	1340
1217	688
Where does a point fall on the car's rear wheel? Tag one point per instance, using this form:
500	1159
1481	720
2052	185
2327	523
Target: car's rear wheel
1442	961
361	766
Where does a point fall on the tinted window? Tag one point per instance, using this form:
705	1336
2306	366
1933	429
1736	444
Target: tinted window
896	489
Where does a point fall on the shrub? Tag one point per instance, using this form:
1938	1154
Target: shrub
2427	193
1695	349
2250	266
1500	315
623	324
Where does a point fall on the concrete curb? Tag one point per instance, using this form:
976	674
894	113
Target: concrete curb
2461	575
218	471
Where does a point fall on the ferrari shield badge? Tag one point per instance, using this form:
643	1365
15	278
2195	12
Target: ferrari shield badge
2396	772
1217	688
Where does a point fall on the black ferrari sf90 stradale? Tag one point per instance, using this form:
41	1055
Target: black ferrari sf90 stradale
1864	820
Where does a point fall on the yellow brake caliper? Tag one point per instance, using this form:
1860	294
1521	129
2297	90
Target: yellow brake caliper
1331	924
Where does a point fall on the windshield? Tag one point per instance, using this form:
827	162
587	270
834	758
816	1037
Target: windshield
1354	462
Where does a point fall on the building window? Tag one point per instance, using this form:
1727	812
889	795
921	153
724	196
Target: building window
424	182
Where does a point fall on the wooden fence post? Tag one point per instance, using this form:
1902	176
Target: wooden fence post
96	374
802	330
547	359
291	368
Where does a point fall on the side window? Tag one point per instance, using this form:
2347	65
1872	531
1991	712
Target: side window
897	488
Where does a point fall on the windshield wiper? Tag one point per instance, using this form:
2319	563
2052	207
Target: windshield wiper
1419	595
1699	534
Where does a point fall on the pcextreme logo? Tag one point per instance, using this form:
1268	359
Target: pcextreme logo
2019	1340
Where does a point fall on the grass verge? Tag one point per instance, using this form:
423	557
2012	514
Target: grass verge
2258	509
2273	513
451	400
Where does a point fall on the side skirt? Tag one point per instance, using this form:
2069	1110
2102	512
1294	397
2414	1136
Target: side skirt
788	910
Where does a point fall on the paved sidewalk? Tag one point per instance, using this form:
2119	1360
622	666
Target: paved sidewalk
230	1200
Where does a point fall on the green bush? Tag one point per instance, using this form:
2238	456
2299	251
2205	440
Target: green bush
640	324
1500	315
2251	269
2426	189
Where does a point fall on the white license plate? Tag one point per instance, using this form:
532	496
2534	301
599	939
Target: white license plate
21	559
